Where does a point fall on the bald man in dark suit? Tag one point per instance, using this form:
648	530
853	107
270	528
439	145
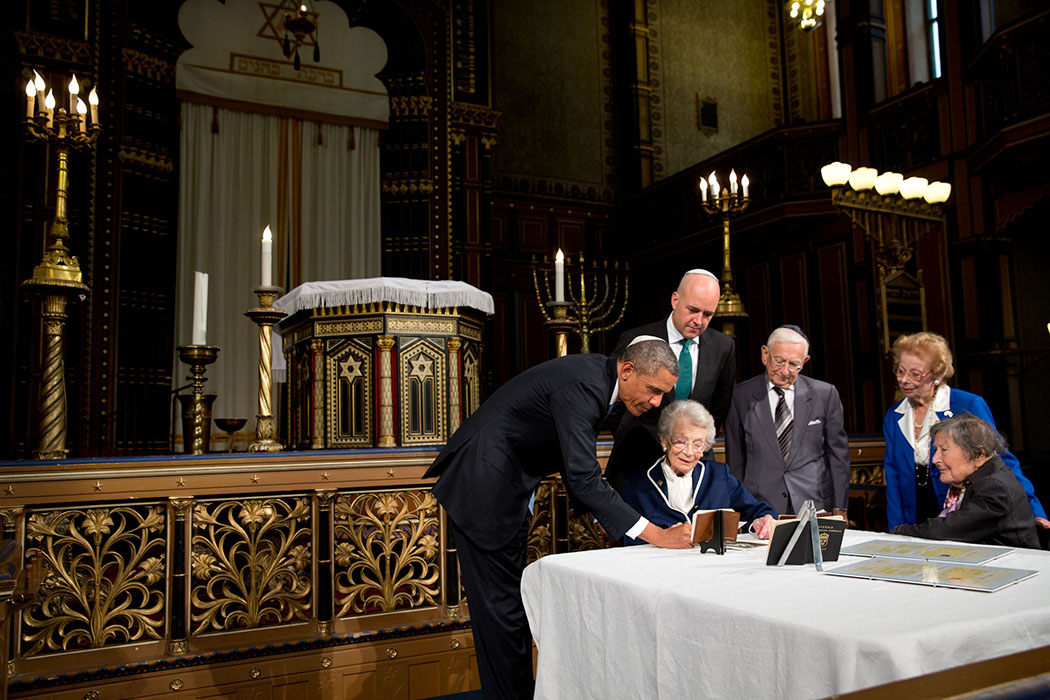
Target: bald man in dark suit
707	361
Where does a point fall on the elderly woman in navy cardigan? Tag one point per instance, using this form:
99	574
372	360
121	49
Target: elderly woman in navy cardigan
914	493
681	482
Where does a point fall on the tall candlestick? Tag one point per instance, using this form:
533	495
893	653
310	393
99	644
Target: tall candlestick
200	308
30	99
267	257
703	190
559	276
93	101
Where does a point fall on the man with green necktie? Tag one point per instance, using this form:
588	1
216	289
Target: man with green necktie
706	372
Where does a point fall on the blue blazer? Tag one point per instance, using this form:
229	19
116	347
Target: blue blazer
713	487
900	460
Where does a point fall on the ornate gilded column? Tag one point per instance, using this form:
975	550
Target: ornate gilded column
323	546
178	609
317	424
449	569
57	278
453	384
266	317
386	390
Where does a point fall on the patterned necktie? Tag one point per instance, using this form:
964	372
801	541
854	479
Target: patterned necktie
684	386
783	423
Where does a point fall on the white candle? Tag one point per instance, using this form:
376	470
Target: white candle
30	100
200	308
713	181
82	114
93	101
559	276
732	182
703	189
49	106
38	82
745	182
267	257
74	90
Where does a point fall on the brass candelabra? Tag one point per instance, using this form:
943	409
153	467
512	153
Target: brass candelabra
726	203
58	278
266	316
587	299
196	406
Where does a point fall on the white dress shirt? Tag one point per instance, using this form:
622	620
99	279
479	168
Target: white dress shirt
774	398
674	339
921	446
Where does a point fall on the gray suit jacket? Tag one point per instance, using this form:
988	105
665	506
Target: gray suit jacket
817	465
635	444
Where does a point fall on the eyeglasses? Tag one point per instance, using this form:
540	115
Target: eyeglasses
912	374
778	363
681	444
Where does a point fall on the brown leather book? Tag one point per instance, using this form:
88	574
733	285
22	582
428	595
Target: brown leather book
713	528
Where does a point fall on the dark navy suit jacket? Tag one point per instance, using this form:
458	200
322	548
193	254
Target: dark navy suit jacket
543	421
713	487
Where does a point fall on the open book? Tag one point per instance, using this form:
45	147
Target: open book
713	528
830	529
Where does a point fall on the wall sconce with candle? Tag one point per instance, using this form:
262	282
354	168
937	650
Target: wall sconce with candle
893	212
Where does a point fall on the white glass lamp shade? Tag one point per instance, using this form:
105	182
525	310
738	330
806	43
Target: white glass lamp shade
836	174
937	192
888	183
913	187
863	178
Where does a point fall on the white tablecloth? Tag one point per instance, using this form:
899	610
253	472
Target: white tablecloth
641	622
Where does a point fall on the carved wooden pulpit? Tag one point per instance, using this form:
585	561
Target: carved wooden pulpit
381	362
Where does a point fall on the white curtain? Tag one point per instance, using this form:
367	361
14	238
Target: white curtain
321	201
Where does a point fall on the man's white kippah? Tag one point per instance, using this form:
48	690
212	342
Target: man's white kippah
699	271
645	337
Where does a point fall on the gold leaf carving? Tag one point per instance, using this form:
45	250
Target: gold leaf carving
104	578
251	563
386	553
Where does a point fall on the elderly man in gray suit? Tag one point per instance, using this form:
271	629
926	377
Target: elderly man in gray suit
784	434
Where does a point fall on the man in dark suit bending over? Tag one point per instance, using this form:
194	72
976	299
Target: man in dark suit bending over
707	370
544	420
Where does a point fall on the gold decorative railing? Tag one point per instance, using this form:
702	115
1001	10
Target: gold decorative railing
158	573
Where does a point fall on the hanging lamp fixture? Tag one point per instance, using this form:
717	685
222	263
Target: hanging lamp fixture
302	25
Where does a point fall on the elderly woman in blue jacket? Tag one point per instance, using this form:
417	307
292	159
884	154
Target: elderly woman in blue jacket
914	493
681	482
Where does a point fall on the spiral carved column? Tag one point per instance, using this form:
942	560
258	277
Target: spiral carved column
266	316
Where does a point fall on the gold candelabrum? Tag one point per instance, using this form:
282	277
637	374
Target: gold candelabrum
585	298
58	278
727	203
196	406
266	316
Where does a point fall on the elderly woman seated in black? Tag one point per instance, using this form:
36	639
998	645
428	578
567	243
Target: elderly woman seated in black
985	502
681	483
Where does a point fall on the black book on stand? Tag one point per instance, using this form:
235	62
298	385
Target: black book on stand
830	530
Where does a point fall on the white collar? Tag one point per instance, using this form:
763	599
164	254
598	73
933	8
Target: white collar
770	386
673	336
941	401
616	393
